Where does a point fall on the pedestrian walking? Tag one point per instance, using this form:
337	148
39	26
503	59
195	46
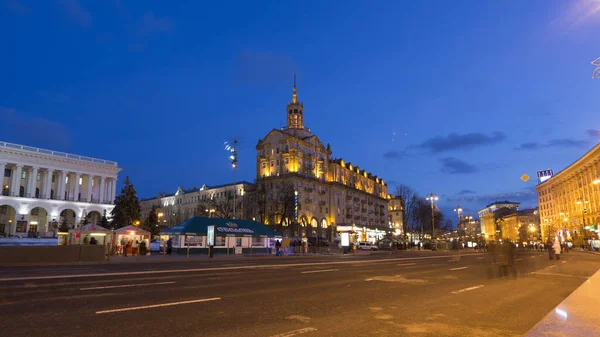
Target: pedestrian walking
169	246
556	248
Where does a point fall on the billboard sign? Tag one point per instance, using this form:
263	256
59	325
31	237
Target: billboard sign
544	175
210	236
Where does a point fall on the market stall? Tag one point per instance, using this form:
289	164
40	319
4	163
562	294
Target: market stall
89	235
231	236
131	240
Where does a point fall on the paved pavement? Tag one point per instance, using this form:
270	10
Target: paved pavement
406	293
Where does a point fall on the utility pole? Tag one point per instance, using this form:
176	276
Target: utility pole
232	148
432	198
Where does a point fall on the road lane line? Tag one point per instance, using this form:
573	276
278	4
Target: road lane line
557	274
317	271
467	289
533	257
295	332
242	267
480	258
459	268
405	264
126	285
564	262
519	259
368	279
157	305
552	266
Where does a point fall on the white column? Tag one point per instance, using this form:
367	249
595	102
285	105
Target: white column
102	188
76	189
62	185
2	168
48	183
88	192
16	183
114	190
32	181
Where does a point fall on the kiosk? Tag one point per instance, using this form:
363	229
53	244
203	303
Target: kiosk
131	240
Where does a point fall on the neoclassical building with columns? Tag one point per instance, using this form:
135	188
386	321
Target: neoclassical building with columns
569	202
43	188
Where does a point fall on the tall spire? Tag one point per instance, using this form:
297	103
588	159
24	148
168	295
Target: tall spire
294	96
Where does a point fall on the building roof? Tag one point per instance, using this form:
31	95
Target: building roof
587	154
232	227
196	189
503	202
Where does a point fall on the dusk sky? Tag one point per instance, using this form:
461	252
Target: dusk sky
458	98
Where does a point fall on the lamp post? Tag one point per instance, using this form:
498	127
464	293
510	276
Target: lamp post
233	157
583	202
458	211
432	198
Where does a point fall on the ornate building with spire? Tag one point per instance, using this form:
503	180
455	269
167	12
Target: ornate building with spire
304	191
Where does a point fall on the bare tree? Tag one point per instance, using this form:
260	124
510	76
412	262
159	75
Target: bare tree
281	204
407	196
220	207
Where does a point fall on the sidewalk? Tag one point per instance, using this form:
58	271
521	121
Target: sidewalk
576	315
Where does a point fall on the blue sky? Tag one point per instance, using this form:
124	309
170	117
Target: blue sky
458	98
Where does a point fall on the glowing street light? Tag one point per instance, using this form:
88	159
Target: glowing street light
432	198
233	157
596	182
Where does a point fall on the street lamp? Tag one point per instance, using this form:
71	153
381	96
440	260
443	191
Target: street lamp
596	182
432	198
583	202
458	211
233	157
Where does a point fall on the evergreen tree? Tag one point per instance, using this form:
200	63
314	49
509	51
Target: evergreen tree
151	222
104	220
85	220
64	226
127	206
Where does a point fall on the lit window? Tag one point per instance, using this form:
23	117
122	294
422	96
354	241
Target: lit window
66	179
39	176
80	180
23	175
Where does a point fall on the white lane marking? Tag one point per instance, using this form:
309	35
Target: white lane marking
459	268
243	267
552	266
317	271
157	305
405	264
519	259
533	257
295	332
480	258
564	262
467	289
368	279
125	286
557	274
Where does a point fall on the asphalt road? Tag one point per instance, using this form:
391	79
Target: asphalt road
406	293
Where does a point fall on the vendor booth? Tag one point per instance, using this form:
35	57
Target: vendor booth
131	240
231	236
89	235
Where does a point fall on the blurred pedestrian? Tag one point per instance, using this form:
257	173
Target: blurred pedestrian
169	246
557	249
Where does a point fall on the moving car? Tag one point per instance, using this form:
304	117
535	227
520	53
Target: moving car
366	246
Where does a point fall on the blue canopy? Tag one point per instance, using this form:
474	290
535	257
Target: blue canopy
232	227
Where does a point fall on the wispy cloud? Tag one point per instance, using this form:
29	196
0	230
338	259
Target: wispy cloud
563	142
264	68
16	7
40	131
456	141
76	11
465	192
54	96
526	195
151	24
453	165
593	133
394	155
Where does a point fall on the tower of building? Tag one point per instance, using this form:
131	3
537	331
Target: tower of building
295	111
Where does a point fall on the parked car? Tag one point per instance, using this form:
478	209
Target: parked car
366	246
157	246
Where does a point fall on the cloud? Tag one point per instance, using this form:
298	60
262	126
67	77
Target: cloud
455	141
564	142
152	25
394	155
465	192
53	96
593	133
453	165
528	196
17	7
34	131
265	68
76	11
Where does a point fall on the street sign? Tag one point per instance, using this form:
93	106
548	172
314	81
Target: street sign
210	235
525	177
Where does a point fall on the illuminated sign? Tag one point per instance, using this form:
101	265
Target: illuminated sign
210	236
544	175
345	239
234	230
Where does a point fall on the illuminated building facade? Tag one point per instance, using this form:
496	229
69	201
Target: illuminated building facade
329	193
487	218
521	225
43	189
207	201
569	202
396	214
